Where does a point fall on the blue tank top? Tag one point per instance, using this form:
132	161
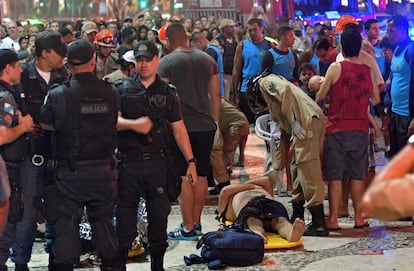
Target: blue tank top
220	65
315	63
380	59
252	60
400	85
283	64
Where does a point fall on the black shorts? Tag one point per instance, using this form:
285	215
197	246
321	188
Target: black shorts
201	143
264	209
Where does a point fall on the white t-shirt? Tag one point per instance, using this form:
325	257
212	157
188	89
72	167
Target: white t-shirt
12	43
44	75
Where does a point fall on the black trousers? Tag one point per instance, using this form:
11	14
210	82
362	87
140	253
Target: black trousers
244	107
89	187
398	132
146	179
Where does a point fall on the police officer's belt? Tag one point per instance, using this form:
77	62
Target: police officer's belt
143	156
66	163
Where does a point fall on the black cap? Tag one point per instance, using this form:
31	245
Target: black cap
50	39
8	56
80	51
146	48
128	19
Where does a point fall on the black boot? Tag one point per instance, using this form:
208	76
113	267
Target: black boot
21	267
157	259
298	210
51	266
317	227
123	258
113	264
218	187
63	267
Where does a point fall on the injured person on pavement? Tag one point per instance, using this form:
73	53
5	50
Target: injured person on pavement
253	204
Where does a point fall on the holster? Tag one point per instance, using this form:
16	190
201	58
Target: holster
51	203
173	180
16	207
15	151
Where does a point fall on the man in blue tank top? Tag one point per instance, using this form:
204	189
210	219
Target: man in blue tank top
282	60
402	85
247	63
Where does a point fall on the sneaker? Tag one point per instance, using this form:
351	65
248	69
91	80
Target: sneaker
180	234
217	189
197	228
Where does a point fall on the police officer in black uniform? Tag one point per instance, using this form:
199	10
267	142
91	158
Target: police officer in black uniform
146	100
37	77
83	115
13	143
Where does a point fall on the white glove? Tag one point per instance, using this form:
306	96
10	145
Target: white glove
297	130
217	134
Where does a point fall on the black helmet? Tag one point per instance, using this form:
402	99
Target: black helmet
254	95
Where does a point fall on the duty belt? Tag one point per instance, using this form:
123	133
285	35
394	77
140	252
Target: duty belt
143	156
69	164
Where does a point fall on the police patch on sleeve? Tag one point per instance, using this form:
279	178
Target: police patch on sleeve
269	86
9	109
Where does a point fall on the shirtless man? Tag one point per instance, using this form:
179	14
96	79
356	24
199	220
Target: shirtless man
253	203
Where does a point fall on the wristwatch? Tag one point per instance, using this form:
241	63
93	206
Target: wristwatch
192	160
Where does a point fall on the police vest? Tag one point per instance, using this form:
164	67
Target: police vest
229	49
34	91
16	150
137	102
89	128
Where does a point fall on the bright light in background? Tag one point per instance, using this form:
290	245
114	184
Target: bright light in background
178	5
411	32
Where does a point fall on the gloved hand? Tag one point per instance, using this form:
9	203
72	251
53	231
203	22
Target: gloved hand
297	130
217	134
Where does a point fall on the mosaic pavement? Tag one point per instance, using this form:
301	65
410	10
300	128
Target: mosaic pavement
344	250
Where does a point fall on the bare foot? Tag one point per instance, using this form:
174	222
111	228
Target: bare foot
261	234
297	230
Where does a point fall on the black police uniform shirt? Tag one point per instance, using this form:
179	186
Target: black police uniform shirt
54	109
159	98
156	90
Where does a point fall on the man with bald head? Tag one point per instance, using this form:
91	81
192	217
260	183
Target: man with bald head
12	39
196	76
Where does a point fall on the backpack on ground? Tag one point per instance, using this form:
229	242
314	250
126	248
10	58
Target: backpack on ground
228	248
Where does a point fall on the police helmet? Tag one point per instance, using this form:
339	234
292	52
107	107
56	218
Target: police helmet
255	98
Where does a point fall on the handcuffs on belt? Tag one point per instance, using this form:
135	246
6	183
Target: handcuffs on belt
38	160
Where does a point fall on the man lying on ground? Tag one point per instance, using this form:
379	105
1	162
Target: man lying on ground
252	204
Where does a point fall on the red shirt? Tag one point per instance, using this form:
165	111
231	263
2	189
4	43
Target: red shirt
349	98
